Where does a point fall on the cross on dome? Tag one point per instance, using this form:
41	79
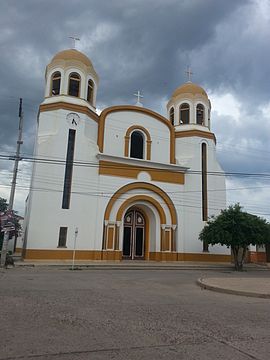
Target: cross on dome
74	39
138	95
189	73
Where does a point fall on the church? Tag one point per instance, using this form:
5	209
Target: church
123	184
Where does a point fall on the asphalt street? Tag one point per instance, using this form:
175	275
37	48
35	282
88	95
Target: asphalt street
59	314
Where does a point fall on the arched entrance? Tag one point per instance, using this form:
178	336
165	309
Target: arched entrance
134	235
121	235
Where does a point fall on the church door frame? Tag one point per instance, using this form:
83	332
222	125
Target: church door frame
135	219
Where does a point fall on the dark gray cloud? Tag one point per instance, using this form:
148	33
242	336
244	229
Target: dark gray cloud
145	45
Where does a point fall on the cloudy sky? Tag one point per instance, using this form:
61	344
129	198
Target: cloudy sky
146	45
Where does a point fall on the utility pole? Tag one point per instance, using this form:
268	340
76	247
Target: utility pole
13	185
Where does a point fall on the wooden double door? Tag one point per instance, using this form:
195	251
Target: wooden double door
134	235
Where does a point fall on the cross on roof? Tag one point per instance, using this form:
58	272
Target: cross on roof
74	39
189	73
138	95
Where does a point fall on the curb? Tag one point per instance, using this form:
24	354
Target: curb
122	267
99	266
201	282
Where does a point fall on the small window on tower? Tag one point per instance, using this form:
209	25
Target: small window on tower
184	114
62	241
136	145
200	114
172	116
90	91
74	84
56	81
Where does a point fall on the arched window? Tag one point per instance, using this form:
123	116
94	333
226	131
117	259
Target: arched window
200	114
74	84
90	91
56	82
172	115
184	114
137	145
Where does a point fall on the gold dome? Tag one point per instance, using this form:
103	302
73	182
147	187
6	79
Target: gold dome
72	54
190	88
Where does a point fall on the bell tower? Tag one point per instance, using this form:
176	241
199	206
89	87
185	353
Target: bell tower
189	112
66	136
189	108
71	77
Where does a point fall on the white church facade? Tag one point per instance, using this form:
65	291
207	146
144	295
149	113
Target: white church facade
127	183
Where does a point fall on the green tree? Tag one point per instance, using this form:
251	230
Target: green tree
236	229
17	230
3	204
15	220
3	208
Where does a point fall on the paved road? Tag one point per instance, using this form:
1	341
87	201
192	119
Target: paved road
57	314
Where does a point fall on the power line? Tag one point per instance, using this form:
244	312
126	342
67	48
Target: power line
109	196
139	167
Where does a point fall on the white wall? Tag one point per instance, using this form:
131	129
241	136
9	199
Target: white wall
117	124
47	214
91	192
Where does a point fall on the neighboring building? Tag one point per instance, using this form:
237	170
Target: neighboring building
137	185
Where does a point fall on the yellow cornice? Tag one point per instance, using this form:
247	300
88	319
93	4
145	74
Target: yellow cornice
132	171
71	107
199	133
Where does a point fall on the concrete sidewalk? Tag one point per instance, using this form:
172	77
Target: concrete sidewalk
137	265
245	286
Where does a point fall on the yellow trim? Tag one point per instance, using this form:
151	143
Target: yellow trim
196	257
139	186
203	257
62	254
163	256
167	240
151	113
111	255
37	254
199	133
148	140
110	237
61	105
146	198
131	171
